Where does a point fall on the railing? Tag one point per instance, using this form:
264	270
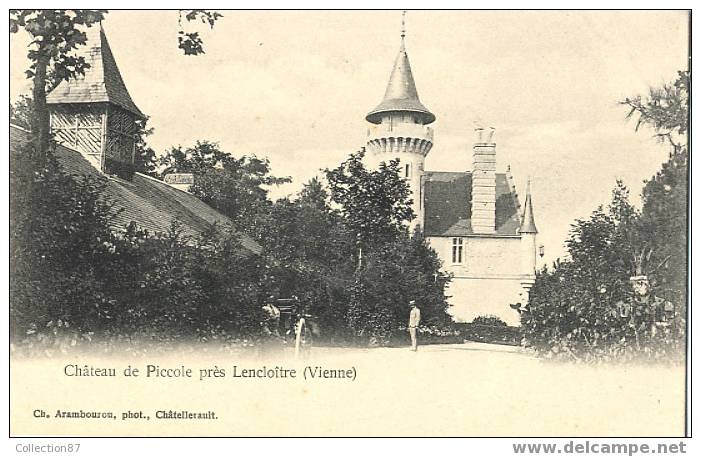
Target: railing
400	130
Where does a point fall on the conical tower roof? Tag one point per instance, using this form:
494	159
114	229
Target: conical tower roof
401	92
527	221
102	82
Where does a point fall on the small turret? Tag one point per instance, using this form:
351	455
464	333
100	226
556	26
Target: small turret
94	113
528	233
527	220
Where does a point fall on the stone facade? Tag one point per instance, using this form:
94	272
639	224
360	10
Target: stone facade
486	278
472	219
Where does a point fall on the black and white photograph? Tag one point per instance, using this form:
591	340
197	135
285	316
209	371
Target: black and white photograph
350	223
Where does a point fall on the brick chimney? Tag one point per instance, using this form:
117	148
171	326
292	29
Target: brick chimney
484	164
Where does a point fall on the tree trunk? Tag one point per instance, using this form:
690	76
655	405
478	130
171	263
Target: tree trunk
40	121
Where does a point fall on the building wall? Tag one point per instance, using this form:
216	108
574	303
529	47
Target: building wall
487	281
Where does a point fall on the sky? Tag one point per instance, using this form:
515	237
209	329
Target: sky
295	86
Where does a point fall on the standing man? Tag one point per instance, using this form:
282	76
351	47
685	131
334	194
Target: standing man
414	320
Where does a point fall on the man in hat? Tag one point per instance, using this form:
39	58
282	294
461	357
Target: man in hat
414	320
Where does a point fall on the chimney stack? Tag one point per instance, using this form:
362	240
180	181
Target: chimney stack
484	165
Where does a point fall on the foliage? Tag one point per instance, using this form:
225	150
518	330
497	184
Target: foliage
237	187
393	274
489	332
393	267
70	271
664	215
55	35
575	310
21	112
489	319
585	307
312	249
190	42
144	156
58	235
665	109
375	204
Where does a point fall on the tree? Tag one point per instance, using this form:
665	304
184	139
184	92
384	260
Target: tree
59	237
665	109
144	156
664	216
375	204
55	35
393	274
375	207
190	42
310	254
573	311
573	307
237	187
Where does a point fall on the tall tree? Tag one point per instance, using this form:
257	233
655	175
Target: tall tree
55	35
571	307
664	216
665	109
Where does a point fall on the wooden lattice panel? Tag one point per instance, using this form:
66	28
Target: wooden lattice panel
78	127
120	121
105	134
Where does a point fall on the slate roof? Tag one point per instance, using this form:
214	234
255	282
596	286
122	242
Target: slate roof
150	203
447	198
102	82
401	94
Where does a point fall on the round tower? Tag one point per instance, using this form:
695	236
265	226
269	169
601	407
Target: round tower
400	128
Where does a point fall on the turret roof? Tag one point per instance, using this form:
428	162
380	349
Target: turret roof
401	94
102	82
527	221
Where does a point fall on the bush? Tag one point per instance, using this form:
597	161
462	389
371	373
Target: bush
73	280
577	310
489	320
394	274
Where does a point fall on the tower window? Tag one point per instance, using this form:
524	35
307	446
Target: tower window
407	170
457	250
